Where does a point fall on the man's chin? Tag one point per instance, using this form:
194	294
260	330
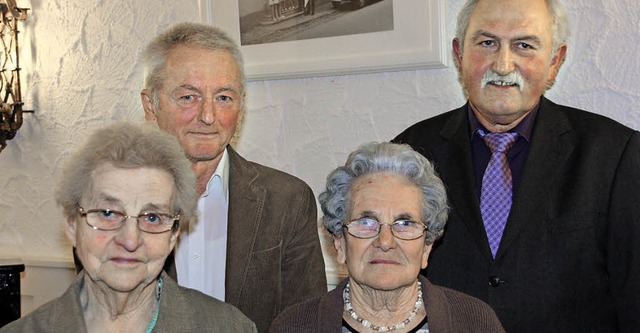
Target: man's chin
203	155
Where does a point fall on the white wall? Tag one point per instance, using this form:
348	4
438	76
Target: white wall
81	71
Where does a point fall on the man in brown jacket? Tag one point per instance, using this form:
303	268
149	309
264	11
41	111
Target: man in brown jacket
256	243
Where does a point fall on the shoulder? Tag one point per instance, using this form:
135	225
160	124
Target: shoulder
187	310
584	122
277	177
429	127
461	300
242	170
62	312
470	313
302	317
307	316
436	133
587	133
197	301
37	321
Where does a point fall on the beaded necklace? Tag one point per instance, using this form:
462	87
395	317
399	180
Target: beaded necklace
152	324
349	308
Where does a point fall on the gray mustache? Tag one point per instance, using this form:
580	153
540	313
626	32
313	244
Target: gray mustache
513	78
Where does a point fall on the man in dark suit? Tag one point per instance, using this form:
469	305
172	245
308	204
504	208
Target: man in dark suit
255	244
568	259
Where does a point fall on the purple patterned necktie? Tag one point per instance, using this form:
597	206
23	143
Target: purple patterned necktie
495	199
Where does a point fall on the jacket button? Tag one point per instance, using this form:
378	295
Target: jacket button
494	281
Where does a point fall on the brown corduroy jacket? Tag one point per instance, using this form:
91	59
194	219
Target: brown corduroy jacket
274	259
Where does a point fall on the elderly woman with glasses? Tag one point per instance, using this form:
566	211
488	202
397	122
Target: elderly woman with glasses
384	208
124	195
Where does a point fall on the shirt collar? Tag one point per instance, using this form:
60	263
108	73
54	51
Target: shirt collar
222	172
524	128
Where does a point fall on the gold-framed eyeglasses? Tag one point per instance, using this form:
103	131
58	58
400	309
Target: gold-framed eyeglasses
109	220
369	227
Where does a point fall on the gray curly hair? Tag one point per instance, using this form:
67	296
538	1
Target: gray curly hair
375	157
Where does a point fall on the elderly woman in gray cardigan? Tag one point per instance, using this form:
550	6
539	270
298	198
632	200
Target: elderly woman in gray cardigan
384	208
124	195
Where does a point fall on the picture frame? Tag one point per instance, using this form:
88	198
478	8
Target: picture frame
418	41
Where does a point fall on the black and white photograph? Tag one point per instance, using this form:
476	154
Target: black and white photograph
302	38
271	21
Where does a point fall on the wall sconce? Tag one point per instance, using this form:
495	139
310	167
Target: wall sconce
10	96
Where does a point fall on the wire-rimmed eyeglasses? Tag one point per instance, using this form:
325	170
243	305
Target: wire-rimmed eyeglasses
368	227
109	220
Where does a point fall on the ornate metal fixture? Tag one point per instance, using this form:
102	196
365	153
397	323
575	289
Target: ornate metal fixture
10	96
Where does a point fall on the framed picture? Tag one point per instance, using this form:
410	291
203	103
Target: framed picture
414	39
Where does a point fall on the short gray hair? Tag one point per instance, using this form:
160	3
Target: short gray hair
126	145
559	24
400	159
209	37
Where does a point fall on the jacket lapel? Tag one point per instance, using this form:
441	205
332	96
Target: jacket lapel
246	201
459	177
549	150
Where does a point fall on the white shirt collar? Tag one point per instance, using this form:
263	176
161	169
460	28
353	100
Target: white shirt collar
222	171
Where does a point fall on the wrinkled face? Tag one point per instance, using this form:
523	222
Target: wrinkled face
126	258
200	100
383	262
507	37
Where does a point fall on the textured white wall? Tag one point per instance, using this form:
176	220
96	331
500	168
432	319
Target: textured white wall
81	71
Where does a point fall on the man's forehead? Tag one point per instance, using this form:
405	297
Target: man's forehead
182	47
180	53
513	17
190	69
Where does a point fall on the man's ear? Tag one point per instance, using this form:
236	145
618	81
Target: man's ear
457	52
556	63
70	230
147	105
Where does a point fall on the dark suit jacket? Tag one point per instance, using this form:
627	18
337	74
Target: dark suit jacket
274	259
181	310
569	260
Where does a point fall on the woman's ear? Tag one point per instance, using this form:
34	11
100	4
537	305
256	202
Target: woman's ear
339	244
70	229
174	237
425	255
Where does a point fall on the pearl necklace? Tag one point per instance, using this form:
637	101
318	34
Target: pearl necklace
349	308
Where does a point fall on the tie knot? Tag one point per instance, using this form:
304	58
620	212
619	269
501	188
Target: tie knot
499	142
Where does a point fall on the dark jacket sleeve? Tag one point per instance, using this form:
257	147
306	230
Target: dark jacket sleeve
623	264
